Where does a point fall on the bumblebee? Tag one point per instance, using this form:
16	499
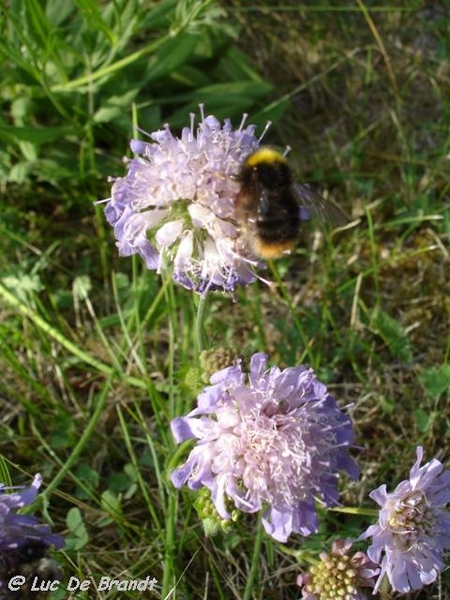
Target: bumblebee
271	206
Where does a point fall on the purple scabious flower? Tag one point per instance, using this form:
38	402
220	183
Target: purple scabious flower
18	530
339	574
272	440
24	541
175	205
413	528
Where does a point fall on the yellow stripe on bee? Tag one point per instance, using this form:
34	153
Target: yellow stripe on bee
264	154
273	249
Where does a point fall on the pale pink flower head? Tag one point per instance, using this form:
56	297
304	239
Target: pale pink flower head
271	440
175	205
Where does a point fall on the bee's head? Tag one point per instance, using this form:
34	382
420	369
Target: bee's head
267	167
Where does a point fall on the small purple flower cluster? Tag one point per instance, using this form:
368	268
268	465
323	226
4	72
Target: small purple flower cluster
22	537
16	529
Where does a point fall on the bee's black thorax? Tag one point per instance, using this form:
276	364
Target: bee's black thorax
271	175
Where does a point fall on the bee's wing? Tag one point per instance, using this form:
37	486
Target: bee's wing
320	207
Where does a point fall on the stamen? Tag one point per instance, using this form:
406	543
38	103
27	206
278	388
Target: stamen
244	118
192	117
140	130
266	128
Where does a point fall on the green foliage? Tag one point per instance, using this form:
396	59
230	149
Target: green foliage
98	354
436	381
394	335
79	536
71	74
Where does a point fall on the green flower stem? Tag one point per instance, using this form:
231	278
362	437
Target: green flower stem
200	323
168	582
250	586
353	510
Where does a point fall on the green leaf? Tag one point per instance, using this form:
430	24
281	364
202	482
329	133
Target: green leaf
424	419
38	24
436	381
234	66
90	478
5	477
35	135
58	12
75	523
111	503
161	16
114	106
394	336
74	520
172	54
244	89
91	13
23	285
